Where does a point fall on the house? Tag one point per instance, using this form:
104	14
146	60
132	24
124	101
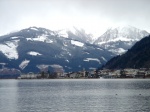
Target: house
104	72
56	71
147	75
29	75
73	75
140	74
128	73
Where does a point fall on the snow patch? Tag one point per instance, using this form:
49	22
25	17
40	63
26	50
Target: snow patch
49	41
91	68
77	43
52	33
29	39
42	66
32	28
120	39
24	64
117	39
121	50
69	53
104	58
63	33
99	49
33	53
118	51
92	59
86	53
14	37
67	60
56	66
65	44
9	49
42	38
101	43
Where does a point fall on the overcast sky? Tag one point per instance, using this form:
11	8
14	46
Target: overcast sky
95	16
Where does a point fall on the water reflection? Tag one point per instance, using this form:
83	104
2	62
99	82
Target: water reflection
74	95
8	95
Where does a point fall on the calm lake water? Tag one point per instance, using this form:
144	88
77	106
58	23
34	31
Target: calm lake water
75	95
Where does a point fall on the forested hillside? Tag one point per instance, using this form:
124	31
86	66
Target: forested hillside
136	57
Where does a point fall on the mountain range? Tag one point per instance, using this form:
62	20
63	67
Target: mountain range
34	48
76	34
116	40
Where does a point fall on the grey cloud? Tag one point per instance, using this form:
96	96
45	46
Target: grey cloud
134	12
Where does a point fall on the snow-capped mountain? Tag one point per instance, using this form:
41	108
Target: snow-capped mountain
33	48
119	40
76	34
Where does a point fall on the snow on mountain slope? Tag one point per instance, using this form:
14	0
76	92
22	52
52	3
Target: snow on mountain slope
119	40
76	34
126	33
77	43
9	49
62	33
33	53
42	38
14	38
92	59
23	64
33	48
104	59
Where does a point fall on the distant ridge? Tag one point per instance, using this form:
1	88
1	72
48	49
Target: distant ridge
73	50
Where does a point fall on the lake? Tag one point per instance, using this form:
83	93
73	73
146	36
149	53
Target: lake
75	95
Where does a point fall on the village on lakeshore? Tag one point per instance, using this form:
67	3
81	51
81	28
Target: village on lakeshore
105	73
58	73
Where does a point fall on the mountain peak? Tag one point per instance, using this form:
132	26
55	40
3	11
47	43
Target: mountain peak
76	34
122	33
122	37
33	28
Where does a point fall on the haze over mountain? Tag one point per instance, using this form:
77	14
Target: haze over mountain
94	16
